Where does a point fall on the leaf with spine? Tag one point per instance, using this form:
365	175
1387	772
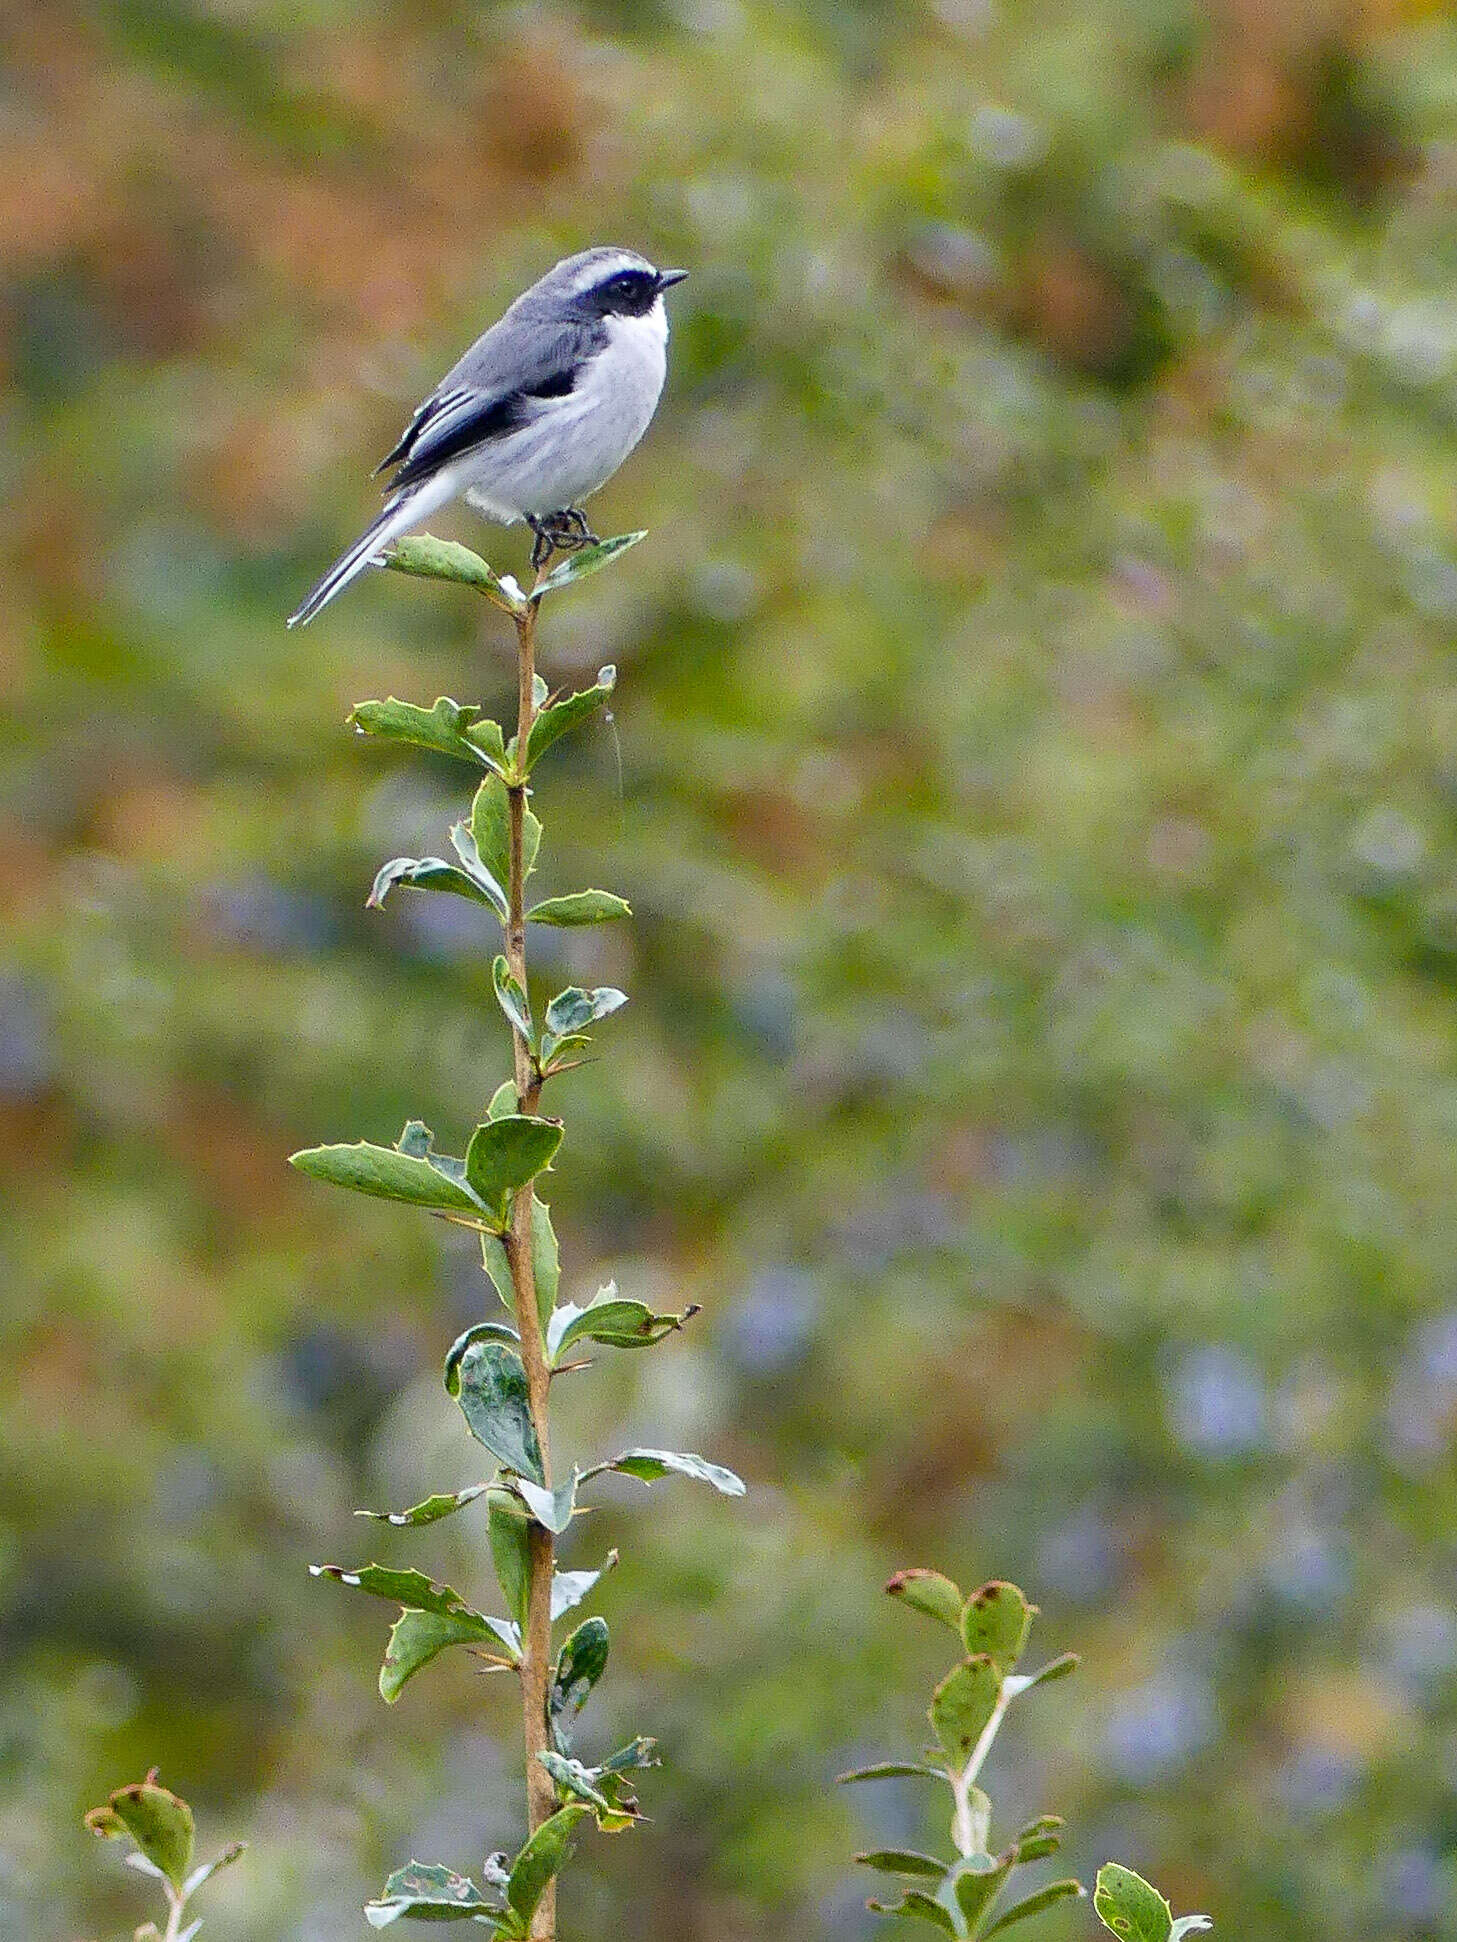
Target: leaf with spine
996	1621
637	1755
890	1770
157	1820
903	1861
505	1153
545	1263
411	1589
971	1886
552	1508
1048	1897
580	1664
208	1869
591	559
928	1592
608	1795
418	1637
1059	1668
649	1465
581	907
565	715
963	1703
1039	1838
512	1000
426	558
913	1902
489	1383
447	728
573	1009
569	1588
431	873
510	1538
543	1856
428	1893
1135	1911
433	1508
410	1172
490	827
609	1319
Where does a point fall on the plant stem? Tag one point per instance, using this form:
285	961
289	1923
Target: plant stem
175	1907
962	1832
536	1666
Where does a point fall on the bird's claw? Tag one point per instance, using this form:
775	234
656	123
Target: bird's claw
566	531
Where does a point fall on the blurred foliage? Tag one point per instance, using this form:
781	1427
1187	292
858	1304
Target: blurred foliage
1032	771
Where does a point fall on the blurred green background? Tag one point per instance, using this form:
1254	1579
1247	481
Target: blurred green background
1033	772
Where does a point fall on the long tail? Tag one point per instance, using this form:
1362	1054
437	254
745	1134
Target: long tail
409	509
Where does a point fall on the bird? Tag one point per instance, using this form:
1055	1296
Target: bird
540	412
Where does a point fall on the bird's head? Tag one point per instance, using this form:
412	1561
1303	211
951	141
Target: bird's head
606	282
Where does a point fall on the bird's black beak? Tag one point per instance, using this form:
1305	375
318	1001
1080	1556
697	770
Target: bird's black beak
667	278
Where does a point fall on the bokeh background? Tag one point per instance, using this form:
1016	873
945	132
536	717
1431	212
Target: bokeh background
1033	772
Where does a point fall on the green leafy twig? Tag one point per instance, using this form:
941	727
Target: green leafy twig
160	1826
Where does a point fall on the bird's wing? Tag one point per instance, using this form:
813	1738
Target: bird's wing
488	393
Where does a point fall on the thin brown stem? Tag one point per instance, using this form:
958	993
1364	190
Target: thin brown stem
536	1662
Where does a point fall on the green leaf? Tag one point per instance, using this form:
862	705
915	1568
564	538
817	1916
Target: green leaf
427	558
1040	1837
580	1664
913	1902
431	873
512	1000
1133	1910
573	1009
418	1637
890	1770
552	1508
610	1320
208	1869
650	1465
504	1154
1059	1668
608	1794
569	1588
490	827
1048	1897
503	1100
428	1894
489	1383
447	728
543	1856
475	867
996	1621
972	1885
413	1174
1188	1925
156	1819
591	559
545	1263
903	1861
963	1703
928	1592
411	1589
432	1509
510	1538
581	907
565	715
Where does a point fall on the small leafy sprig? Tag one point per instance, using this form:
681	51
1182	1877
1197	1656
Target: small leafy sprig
160	1826
500	1371
964	1896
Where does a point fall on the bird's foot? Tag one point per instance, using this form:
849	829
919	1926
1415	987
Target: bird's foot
566	531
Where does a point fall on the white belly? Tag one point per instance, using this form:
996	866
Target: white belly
573	445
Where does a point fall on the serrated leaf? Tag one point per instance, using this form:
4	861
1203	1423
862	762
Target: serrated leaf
510	1541
1048	1897
490	1386
156	1819
208	1869
543	1856
426	558
928	1592
890	1770
490	827
1059	1668
427	1893
913	1902
433	1508
590	559
1130	1907
565	715
402	1586
446	727
580	1664
512	1000
962	1704
551	1508
573	1009
903	1861
387	1173
432	873
996	1621
504	1154
418	1637
581	907
569	1588
649	1465
609	1319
